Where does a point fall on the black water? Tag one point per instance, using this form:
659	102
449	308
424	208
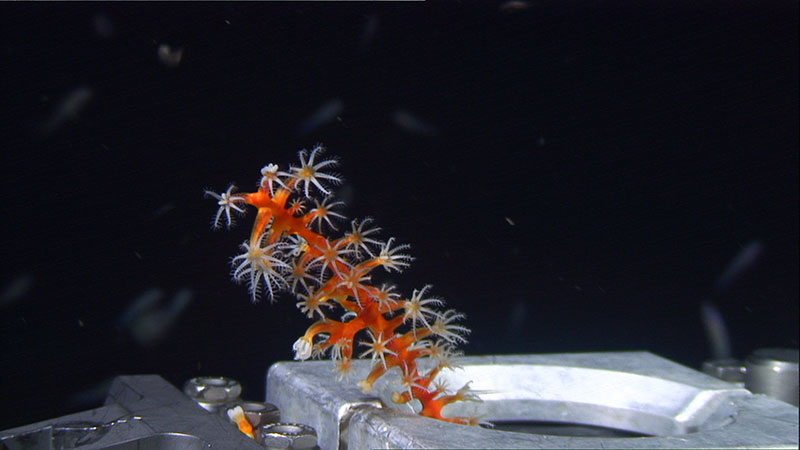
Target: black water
573	176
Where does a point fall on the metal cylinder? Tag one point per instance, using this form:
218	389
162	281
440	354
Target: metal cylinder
774	372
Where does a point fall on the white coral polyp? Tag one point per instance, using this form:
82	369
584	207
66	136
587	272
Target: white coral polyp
257	263
302	349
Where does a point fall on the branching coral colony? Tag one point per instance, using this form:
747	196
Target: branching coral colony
333	275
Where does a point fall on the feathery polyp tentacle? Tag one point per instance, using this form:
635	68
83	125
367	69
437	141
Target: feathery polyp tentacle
445	327
257	262
420	309
227	202
309	171
391	258
358	237
270	176
324	211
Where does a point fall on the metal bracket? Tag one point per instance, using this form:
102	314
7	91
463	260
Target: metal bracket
659	403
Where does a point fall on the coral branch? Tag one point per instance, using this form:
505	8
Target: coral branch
328	274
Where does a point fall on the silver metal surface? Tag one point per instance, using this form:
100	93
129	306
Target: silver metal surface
774	372
310	394
141	412
661	403
289	435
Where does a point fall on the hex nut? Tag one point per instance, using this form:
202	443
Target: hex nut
260	414
211	392
289	435
257	413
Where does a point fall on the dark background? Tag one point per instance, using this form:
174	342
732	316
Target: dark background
588	171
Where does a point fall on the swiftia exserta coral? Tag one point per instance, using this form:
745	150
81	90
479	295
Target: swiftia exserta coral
288	250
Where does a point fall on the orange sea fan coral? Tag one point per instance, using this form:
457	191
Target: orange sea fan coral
289	250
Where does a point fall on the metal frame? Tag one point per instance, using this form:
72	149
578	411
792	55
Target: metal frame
677	407
141	412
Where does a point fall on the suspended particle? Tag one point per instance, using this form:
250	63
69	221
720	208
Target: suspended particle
170	57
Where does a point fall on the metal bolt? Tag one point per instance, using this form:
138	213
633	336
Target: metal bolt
289	435
212	392
727	369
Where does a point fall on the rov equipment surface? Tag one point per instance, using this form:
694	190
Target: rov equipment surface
662	403
141	412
